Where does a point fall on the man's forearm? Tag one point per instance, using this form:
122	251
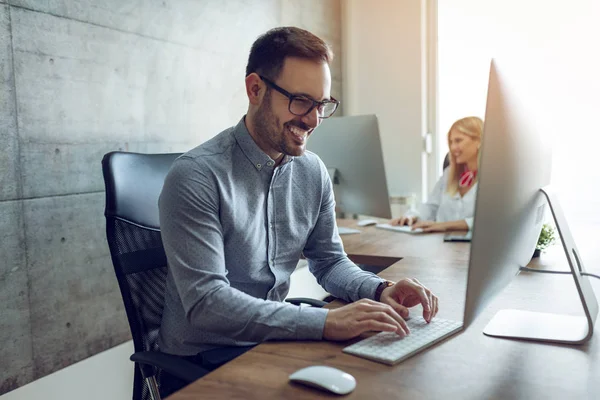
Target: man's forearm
237	315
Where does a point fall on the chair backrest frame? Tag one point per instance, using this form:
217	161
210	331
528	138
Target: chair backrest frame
133	184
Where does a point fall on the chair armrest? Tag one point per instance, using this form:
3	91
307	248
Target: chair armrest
305	300
174	365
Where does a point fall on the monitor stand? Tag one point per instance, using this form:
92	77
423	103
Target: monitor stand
545	327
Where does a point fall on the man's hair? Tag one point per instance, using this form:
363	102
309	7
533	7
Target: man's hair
269	51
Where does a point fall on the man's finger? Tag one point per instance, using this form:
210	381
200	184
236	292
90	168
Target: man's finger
427	298
423	297
383	311
373	325
436	302
399	308
402	312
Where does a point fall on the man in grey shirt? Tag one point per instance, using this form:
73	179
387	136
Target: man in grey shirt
238	211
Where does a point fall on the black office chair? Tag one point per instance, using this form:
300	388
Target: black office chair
446	161
133	184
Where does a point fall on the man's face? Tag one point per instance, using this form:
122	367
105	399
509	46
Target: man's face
280	131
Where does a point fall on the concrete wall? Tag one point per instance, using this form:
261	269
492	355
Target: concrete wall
79	78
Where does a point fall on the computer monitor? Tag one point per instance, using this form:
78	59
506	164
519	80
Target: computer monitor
351	150
514	175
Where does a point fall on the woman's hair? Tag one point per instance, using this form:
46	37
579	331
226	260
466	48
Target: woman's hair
472	127
269	51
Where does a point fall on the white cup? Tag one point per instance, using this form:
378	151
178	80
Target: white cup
400	205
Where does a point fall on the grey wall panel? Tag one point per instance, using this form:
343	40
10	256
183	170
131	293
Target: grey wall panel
323	18
15	330
9	176
211	25
76	307
85	86
64	167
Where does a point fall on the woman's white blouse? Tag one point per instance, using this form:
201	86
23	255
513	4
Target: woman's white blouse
441	207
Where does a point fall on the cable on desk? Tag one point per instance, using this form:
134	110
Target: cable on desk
546	271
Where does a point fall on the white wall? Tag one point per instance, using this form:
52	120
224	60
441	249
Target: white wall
564	34
382	74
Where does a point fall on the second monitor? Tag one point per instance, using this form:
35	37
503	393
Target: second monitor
350	147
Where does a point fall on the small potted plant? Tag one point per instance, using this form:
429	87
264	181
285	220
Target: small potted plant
546	239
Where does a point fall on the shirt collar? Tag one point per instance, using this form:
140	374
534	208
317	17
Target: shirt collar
255	155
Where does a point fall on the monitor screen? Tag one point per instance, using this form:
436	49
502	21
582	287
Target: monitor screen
515	164
351	150
522	117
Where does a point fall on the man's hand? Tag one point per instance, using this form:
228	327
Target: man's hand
362	316
407	293
404	221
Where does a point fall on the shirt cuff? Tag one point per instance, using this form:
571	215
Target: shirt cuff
311	323
369	286
469	222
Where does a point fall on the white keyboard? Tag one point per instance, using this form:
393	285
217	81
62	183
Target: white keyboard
399	228
389	348
342	230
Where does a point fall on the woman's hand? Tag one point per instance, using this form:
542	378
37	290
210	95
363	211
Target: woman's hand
432	226
404	221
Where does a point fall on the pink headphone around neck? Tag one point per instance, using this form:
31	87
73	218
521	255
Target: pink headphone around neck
467	178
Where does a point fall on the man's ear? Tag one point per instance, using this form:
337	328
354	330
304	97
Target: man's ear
255	89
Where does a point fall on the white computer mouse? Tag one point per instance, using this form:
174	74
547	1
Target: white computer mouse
325	378
366	222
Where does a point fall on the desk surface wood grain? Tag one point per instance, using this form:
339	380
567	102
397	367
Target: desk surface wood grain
468	365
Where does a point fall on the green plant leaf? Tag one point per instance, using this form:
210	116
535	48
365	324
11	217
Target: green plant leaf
547	237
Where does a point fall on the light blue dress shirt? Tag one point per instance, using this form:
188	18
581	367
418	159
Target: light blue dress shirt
234	227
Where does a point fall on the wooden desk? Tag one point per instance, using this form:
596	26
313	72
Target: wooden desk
468	365
375	244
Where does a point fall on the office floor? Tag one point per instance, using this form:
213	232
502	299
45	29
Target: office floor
109	375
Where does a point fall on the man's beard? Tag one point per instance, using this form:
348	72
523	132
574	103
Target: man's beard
274	133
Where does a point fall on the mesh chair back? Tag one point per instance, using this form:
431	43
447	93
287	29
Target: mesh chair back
133	184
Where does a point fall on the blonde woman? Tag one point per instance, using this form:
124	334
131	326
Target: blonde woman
451	204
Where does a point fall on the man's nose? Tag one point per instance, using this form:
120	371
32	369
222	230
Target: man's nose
312	118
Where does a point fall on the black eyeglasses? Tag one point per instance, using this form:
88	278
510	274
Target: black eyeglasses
301	105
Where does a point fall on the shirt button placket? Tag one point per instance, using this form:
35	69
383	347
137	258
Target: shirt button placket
270	216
